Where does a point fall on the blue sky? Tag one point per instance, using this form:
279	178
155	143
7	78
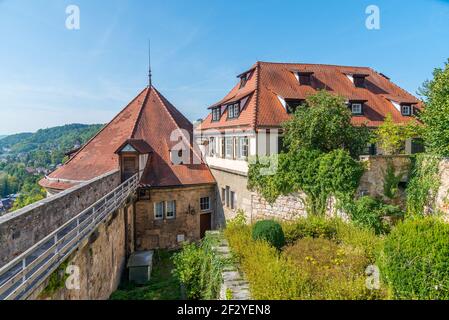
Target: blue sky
50	75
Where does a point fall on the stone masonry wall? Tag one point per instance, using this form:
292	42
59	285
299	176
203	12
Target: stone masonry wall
372	181
442	197
21	229
101	260
162	234
291	207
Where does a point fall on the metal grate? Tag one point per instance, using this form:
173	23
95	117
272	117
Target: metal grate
20	276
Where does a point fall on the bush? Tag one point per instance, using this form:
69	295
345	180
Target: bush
368	212
198	269
270	231
271	276
312	226
331	270
415	259
288	275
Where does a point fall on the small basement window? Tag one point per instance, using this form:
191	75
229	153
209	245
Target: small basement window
356	108
406	110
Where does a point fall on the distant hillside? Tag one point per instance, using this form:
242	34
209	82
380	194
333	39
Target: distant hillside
63	138
1	137
46	147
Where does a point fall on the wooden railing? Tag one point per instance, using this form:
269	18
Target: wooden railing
21	276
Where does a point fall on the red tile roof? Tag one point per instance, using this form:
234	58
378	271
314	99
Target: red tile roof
147	121
270	80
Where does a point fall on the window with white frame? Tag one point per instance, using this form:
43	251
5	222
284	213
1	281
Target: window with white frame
233	110
406	110
242	148
205	204
170	209
159	210
356	108
229	147
216	114
212	147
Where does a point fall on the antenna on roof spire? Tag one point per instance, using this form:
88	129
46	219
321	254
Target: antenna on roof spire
149	64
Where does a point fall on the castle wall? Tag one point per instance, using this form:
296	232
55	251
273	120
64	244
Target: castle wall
23	228
100	261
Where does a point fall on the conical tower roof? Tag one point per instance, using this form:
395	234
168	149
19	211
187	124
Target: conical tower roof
150	118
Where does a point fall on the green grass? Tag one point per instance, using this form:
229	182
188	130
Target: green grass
163	284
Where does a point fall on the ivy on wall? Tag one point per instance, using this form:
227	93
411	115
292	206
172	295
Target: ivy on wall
423	185
322	148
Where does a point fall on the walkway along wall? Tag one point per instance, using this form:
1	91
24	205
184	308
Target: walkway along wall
98	263
23	228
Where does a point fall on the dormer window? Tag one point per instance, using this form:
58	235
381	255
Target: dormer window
406	110
356	108
305	78
177	157
244	80
359	81
216	114
292	105
233	111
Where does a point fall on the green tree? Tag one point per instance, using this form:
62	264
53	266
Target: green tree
391	136
323	123
435	115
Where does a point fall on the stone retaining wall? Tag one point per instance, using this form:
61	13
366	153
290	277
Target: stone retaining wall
23	228
442	197
100	261
292	207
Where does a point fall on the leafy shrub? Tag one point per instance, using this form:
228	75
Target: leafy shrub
270	231
361	239
319	175
435	115
423	185
274	275
331	270
271	276
312	226
198	269
391	183
368	212
391	136
415	259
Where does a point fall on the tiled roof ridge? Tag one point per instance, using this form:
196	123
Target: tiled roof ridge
158	95
102	129
314	64
140	112
395	85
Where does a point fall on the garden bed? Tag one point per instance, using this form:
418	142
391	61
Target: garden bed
328	259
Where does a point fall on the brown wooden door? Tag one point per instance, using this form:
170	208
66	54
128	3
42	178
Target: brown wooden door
205	223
